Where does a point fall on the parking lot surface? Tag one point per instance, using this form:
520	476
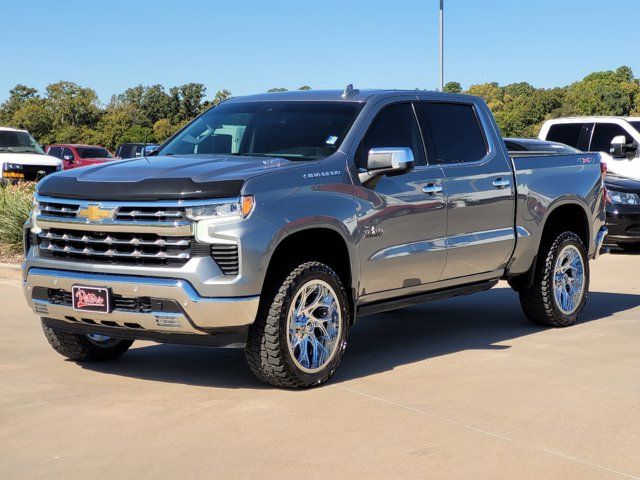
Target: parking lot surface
464	388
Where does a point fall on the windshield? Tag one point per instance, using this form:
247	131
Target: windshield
93	152
635	124
292	130
18	142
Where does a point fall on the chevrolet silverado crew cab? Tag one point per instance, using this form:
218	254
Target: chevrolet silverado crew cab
274	221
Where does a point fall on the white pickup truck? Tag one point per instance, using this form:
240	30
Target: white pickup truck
616	138
22	158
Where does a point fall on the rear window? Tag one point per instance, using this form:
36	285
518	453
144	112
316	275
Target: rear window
454	131
567	133
93	152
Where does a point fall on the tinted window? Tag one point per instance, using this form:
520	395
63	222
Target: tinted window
567	133
454	131
18	142
395	126
514	147
294	130
635	124
92	152
55	152
604	133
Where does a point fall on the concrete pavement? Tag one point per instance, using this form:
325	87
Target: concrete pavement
464	388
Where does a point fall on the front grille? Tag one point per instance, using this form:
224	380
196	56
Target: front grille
59	210
115	248
36	172
226	256
153	214
123	214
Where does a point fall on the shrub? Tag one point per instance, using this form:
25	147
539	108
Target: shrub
15	205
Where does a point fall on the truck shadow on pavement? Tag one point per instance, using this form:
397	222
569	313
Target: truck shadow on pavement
377	343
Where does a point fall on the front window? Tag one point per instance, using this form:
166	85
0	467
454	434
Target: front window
291	130
93	152
18	142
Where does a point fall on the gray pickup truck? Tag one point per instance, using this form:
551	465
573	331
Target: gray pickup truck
272	222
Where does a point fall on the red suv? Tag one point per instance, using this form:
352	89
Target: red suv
74	156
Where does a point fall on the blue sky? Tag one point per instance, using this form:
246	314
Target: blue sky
249	46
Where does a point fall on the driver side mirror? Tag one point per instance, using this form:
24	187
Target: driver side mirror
386	161
68	158
621	149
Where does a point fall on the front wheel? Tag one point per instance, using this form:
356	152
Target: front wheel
85	348
561	283
301	332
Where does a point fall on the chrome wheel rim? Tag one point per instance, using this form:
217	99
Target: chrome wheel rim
314	326
568	281
98	339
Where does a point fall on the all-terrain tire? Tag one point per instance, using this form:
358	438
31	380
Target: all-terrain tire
538	301
81	349
267	350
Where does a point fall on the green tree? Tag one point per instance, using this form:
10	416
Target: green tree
18	96
603	93
305	87
163	129
35	117
452	87
187	101
72	104
277	89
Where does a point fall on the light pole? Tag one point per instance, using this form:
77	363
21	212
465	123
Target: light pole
441	45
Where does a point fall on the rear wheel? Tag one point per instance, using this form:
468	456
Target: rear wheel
85	348
561	282
301	331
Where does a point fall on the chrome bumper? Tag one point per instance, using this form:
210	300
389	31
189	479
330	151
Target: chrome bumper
602	233
199	315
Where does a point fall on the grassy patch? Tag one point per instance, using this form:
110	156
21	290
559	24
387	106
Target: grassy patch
15	206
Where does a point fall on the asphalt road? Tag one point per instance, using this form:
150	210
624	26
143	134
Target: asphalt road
464	388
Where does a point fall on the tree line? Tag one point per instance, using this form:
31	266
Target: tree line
69	113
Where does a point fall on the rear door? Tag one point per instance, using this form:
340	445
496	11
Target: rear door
480	190
402	217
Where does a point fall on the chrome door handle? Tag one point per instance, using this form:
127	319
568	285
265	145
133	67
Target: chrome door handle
432	189
501	182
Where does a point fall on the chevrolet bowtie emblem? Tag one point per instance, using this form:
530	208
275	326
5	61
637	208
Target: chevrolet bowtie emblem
95	213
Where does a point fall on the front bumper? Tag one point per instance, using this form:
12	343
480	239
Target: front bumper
623	222
190	314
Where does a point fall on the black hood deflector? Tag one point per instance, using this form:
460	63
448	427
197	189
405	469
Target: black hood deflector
149	189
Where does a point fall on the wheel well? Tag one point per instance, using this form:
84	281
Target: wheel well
570	218
319	244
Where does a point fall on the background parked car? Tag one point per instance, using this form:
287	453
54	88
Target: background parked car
616	138
623	195
131	150
22	158
75	156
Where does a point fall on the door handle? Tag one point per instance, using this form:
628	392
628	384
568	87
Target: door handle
432	188
501	182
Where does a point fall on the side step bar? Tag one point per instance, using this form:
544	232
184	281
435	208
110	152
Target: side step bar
395	303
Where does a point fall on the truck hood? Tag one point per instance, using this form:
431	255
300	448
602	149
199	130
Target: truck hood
29	159
161	178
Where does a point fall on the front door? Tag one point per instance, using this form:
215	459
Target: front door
401	218
480	191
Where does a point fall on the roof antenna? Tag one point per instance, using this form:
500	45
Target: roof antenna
350	91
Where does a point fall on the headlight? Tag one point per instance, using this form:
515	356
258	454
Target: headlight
623	198
222	210
12	166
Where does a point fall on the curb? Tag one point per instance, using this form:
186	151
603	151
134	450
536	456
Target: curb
10	271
